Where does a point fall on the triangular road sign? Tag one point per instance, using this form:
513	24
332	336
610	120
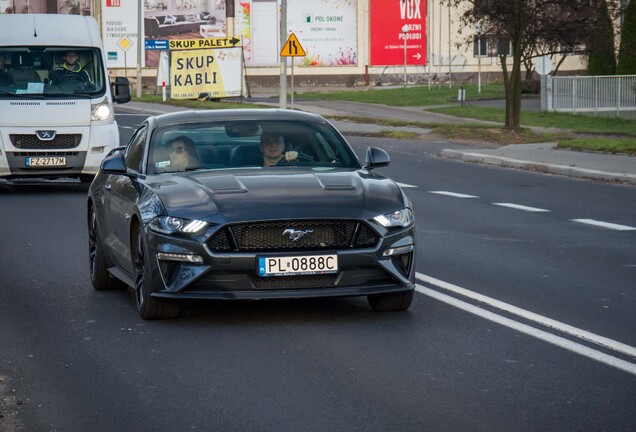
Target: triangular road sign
292	48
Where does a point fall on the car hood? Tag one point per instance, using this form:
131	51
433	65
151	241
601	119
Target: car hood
255	194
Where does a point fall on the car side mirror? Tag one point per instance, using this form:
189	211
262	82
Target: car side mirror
121	90
114	163
376	158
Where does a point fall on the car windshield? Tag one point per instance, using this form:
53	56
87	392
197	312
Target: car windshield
248	144
51	71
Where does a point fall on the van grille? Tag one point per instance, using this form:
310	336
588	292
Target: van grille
32	142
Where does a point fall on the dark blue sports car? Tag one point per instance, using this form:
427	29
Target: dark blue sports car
248	204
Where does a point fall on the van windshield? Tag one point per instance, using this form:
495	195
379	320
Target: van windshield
53	71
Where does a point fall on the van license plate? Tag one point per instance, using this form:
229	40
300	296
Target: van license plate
45	161
297	265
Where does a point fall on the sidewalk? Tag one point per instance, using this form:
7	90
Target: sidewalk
541	157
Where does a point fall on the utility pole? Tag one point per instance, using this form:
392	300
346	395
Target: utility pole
283	60
140	40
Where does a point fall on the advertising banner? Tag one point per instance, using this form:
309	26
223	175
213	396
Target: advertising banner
387	17
326	29
119	33
217	72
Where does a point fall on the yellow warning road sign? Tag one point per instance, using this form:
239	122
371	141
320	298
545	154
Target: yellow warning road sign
292	48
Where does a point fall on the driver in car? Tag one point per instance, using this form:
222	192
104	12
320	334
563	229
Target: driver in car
70	70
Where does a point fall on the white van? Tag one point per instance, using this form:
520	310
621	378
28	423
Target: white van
56	112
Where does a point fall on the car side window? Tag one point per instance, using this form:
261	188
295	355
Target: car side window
135	151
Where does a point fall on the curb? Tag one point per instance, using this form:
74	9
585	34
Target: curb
540	167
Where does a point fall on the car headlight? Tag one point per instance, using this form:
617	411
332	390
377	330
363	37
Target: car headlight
400	218
174	225
101	111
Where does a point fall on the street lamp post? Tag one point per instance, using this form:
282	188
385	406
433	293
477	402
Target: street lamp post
405	30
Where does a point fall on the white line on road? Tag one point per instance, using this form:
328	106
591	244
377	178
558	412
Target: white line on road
531	331
404	185
520	207
531	316
453	194
602	224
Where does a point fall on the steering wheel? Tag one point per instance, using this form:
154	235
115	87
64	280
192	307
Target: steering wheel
72	77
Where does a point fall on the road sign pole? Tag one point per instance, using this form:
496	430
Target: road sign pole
283	60
292	84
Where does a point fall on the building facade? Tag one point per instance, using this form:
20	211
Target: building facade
347	42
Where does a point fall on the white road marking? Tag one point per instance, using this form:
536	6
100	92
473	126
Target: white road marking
453	194
531	331
127	127
531	316
602	224
520	207
404	185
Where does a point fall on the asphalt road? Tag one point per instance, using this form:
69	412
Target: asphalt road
548	346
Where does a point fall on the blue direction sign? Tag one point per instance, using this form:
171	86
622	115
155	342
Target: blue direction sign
161	44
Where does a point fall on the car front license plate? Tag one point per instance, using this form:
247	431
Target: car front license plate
45	161
297	265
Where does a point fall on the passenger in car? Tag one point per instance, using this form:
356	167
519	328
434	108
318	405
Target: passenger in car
183	152
6	79
273	149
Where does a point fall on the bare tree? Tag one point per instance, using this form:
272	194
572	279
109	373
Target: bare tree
531	26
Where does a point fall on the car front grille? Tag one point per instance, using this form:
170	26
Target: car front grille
32	142
295	282
277	236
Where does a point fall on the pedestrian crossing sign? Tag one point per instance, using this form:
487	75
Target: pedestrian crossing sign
292	48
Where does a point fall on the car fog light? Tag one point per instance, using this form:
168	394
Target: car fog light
179	257
398	250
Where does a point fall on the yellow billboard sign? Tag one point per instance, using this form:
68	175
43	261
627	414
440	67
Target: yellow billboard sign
188	44
217	72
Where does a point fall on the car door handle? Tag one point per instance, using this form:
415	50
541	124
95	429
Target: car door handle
108	186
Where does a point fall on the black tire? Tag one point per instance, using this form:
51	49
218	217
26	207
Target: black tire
98	267
149	308
399	301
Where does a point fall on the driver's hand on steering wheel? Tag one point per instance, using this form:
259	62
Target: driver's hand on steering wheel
291	156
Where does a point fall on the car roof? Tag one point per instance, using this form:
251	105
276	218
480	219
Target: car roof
193	116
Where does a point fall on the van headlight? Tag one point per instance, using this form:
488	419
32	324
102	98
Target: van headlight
399	218
101	111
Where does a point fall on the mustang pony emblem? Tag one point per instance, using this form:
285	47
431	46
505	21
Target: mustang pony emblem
296	234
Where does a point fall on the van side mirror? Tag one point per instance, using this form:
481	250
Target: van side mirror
121	90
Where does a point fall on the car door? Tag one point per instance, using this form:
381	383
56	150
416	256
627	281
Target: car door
122	196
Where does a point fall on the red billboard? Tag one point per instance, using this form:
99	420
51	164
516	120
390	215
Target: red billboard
387	19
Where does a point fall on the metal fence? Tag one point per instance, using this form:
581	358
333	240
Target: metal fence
589	94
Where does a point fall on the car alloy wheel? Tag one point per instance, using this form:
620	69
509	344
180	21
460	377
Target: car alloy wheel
148	306
98	267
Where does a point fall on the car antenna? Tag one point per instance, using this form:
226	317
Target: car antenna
35	31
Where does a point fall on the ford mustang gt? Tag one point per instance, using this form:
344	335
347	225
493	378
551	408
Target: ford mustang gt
206	205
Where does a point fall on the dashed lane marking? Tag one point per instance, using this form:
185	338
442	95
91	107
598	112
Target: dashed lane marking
607	225
453	194
520	207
